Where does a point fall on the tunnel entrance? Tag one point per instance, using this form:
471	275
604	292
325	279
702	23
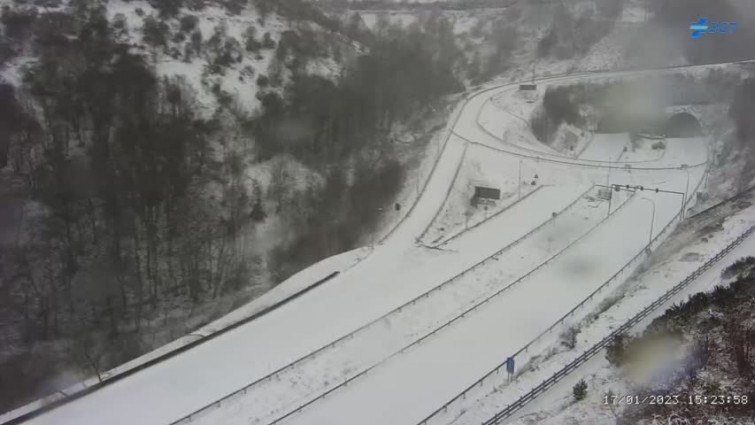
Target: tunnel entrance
683	124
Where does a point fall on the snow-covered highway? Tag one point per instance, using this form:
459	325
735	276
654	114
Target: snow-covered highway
514	276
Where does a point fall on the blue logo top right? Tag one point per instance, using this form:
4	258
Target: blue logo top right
701	26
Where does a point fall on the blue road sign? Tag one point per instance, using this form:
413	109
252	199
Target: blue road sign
510	365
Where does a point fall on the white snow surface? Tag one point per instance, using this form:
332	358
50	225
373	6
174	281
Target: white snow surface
556	406
516	274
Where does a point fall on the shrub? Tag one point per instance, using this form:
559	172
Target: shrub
251	44
263	81
543	126
546	44
740	266
167	8
580	390
235	7
616	351
179	37
196	41
53	29
18	23
267	41
196	5
559	106
155	33
569	338
659	145
120	26
188	23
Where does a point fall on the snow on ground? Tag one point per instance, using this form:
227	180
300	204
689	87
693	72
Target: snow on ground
282	336
409	385
480	168
399	394
556	406
503	123
418	175
291	286
357	401
238	79
620	148
606	147
384	339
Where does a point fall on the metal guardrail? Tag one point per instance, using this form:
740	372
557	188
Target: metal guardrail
577	162
201	339
242	391
495	86
725	201
450	132
613	279
494	215
447	324
71	397
448	192
629	266
188	417
532	394
577	155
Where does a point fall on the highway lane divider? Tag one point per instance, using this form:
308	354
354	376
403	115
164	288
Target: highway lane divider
242	391
449	323
464	231
615	278
122	375
584	357
52	404
448	192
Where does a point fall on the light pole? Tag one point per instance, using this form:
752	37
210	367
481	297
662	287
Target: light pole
610	197
608	176
686	190
519	186
652	221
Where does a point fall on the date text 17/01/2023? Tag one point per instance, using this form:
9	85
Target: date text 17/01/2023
672	399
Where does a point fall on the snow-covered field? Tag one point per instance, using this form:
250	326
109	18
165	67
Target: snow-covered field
407	326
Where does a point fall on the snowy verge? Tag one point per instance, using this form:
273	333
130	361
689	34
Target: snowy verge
289	289
622	307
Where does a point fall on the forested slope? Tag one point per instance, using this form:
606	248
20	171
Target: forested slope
165	162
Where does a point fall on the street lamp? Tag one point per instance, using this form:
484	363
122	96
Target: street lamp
685	167
519	186
652	221
608	176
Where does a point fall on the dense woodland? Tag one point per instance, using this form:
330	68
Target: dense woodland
131	204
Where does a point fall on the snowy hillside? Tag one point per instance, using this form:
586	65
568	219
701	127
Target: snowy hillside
263	212
224	54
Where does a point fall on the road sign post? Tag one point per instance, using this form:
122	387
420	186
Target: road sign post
510	368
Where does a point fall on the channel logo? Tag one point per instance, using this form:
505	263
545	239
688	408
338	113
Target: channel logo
702	26
699	27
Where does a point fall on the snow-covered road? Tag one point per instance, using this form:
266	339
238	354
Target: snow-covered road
370	317
407	388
